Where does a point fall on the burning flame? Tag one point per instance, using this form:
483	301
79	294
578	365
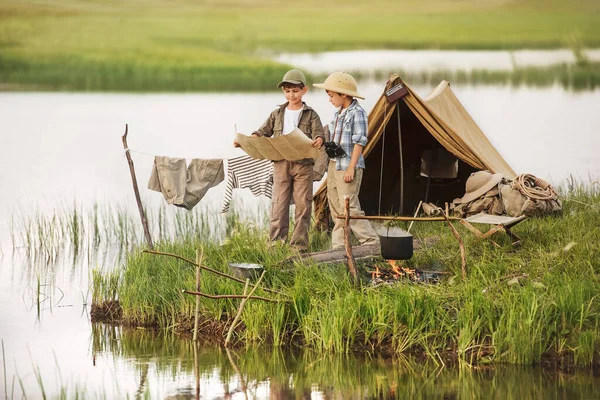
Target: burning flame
376	273
399	270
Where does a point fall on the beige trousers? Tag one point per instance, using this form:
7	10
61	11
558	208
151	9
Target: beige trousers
337	191
291	180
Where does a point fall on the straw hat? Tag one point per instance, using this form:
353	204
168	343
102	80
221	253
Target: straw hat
478	184
340	82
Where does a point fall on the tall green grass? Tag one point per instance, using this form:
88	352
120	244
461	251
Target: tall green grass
521	305
212	46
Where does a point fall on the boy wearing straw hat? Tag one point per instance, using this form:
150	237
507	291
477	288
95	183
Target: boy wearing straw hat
348	132
292	179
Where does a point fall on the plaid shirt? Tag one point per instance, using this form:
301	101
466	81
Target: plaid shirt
348	129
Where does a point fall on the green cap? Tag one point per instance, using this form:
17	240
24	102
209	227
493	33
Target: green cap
293	76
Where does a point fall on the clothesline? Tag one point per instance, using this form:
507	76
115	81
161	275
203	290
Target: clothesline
187	158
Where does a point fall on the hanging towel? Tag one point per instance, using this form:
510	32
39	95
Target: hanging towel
246	172
181	186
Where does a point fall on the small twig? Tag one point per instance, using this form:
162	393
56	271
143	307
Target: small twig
241	308
505	277
237	315
461	244
576	201
214	271
199	257
415	216
230	296
348	243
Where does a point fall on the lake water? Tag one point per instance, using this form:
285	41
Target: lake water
417	61
60	149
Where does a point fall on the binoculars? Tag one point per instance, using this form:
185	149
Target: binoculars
334	150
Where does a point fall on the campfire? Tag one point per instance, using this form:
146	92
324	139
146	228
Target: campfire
380	274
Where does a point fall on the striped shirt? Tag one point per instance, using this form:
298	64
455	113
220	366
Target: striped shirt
246	172
348	128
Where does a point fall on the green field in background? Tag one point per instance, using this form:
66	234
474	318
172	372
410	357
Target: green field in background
225	45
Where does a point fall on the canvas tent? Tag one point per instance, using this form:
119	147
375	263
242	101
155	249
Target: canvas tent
410	138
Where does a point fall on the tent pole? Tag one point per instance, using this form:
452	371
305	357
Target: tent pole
401	160
381	166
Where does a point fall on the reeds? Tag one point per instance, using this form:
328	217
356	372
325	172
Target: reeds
519	306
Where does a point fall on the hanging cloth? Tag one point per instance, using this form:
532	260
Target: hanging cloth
185	186
246	172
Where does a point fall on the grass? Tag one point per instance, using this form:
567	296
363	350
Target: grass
157	45
534	304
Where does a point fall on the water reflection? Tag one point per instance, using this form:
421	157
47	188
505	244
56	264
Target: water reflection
214	372
72	144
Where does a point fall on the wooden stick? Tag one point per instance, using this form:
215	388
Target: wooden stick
235	319
461	244
214	271
136	190
241	308
401	159
476	231
230	296
348	243
415	216
398	218
199	257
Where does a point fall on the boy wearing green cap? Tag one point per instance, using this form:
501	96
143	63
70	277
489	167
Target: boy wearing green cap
292	179
348	132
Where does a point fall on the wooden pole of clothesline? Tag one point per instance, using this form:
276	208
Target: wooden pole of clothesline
137	191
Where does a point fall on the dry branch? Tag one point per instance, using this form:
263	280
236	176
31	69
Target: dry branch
214	271
461	244
241	308
398	218
136	190
229	296
199	257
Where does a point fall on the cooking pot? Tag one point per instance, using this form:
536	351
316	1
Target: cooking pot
396	243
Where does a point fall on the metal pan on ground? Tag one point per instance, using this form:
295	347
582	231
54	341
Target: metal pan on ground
246	270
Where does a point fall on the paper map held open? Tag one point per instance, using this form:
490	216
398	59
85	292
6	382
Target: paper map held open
293	146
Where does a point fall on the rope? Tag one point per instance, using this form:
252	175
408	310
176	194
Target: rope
534	188
187	158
